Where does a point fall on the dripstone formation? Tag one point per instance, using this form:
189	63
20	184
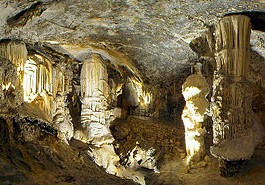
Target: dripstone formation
154	92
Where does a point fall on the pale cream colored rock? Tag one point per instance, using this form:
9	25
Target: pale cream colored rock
106	157
195	90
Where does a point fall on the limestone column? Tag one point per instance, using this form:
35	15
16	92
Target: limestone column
234	137
94	92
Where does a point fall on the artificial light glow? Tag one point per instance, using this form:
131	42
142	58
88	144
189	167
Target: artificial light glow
147	97
7	86
192	145
190	92
119	89
144	97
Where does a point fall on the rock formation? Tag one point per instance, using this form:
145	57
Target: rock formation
94	94
234	126
195	89
13	57
104	81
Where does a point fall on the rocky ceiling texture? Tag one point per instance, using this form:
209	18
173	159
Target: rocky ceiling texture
152	35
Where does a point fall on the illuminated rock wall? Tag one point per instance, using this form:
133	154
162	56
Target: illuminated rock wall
195	89
14	56
37	82
233	121
33	79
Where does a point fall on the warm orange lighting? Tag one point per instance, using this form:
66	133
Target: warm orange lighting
7	86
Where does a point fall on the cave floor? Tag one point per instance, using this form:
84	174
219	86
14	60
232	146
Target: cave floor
168	138
175	173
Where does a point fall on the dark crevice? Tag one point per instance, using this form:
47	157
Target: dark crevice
21	18
257	18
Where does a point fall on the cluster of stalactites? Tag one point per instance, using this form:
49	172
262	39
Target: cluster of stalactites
13	55
233	46
37	82
37	79
16	52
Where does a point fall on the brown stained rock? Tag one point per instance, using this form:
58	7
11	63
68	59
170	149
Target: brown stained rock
163	137
20	19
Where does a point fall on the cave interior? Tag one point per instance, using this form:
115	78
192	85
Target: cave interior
132	92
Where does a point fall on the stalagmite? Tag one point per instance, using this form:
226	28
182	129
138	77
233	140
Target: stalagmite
233	120
61	88
195	89
96	118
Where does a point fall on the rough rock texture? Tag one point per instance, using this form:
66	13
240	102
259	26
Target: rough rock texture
31	154
155	35
233	118
147	48
145	142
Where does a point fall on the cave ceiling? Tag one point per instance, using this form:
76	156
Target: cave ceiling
153	35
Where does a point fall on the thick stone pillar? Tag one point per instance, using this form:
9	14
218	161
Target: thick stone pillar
94	93
234	135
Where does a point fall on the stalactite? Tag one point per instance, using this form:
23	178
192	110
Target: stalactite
16	53
37	82
231	100
62	77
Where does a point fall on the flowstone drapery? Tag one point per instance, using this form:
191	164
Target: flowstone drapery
234	128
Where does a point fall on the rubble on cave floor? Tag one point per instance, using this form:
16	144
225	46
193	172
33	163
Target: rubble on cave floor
175	173
167	139
40	158
162	141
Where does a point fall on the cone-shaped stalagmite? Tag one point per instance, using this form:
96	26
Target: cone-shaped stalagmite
195	89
